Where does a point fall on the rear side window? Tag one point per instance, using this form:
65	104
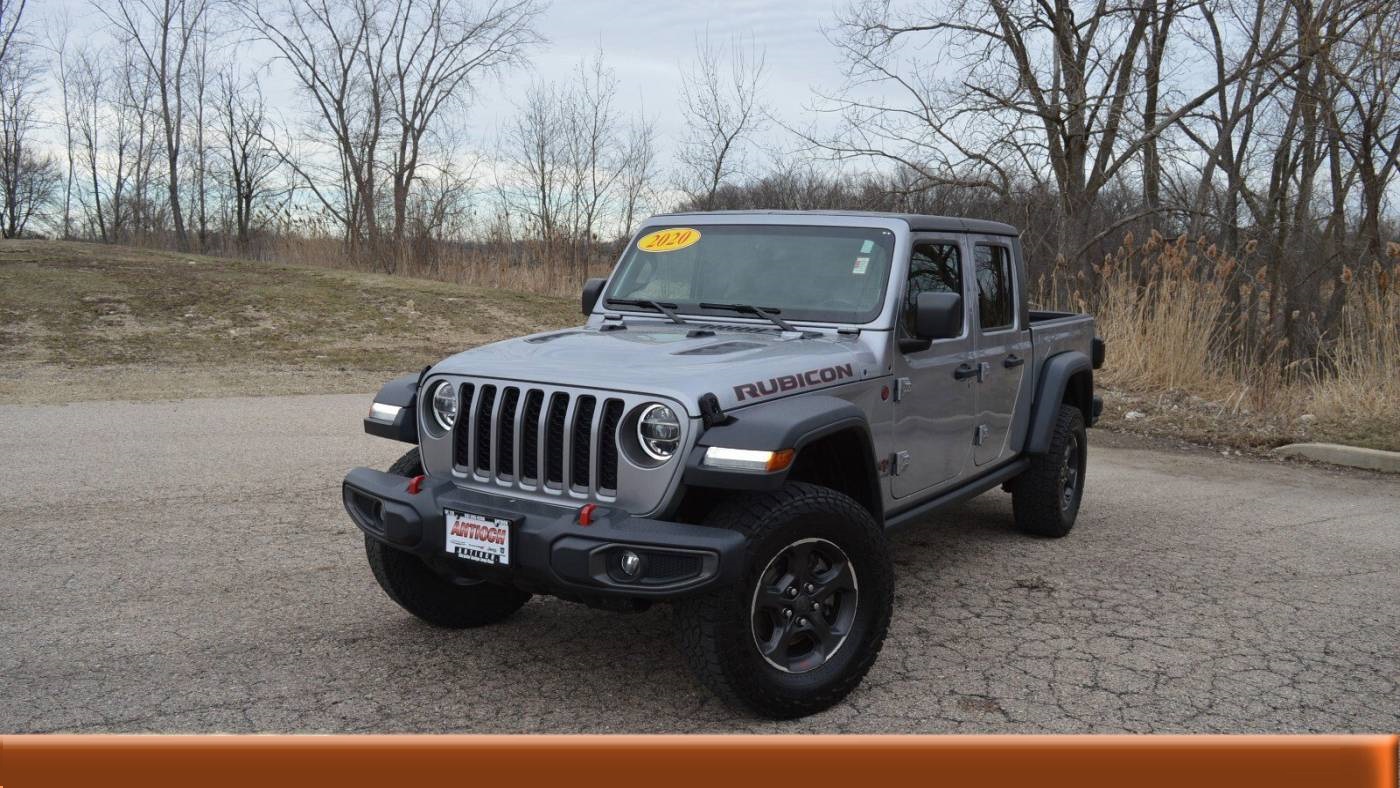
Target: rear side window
994	301
934	267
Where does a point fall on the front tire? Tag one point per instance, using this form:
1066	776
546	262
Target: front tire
807	620
458	604
1045	497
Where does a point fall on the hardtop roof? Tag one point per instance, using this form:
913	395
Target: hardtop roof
917	222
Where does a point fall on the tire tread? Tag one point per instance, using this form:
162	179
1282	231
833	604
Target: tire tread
418	589
701	621
1035	495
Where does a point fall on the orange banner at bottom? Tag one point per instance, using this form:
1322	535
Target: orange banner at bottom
708	761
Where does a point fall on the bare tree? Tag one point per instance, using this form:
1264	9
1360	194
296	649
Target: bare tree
324	44
534	146
28	177
381	75
136	210
1160	18
535	139
436	50
87	90
1053	84
592	153
11	19
638	172
721	110
250	160
1369	131
163	32
201	83
58	43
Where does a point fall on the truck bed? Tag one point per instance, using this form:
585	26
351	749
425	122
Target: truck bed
1056	332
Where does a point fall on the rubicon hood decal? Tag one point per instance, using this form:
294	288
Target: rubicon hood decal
800	380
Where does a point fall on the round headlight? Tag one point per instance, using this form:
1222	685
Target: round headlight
444	405
659	432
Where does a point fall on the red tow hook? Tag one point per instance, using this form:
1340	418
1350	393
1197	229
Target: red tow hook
415	485
585	513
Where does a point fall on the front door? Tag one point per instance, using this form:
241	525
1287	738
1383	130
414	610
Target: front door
935	396
1003	349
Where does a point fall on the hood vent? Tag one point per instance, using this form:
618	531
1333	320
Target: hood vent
550	337
733	327
719	348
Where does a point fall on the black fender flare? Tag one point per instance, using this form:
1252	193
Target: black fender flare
401	393
783	424
1050	391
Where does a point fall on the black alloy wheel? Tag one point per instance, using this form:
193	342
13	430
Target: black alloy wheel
803	605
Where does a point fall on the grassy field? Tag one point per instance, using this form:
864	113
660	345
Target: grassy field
86	321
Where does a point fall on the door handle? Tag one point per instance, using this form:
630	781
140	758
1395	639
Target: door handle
965	371
1013	361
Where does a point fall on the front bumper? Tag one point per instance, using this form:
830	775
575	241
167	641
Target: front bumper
550	552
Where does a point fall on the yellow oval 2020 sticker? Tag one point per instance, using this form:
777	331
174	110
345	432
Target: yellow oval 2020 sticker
668	240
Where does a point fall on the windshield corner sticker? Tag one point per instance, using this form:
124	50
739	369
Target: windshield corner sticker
867	247
801	380
862	263
668	240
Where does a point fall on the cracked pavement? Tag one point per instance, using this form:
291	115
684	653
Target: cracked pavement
186	567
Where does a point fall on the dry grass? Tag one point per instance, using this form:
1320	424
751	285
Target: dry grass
1181	352
526	266
88	321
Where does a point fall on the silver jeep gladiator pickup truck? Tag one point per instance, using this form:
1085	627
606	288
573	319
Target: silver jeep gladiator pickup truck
755	400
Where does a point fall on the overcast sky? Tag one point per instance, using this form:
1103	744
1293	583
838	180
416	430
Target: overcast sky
646	44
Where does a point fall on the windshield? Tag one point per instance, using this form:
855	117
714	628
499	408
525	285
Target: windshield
822	274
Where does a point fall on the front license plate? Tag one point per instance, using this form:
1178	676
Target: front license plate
477	537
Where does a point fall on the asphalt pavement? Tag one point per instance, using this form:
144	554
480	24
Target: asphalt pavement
186	567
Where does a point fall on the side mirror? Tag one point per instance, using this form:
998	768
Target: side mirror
592	290
938	315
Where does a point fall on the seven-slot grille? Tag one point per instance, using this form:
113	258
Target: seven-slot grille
538	439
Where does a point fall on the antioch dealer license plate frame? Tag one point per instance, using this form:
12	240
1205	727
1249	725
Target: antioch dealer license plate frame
478	537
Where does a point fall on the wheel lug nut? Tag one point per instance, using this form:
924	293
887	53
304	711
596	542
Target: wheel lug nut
809	588
802	622
787	612
792	591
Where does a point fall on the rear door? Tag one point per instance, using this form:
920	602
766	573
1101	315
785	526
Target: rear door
935	400
1002	346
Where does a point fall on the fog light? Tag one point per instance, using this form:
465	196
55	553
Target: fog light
630	563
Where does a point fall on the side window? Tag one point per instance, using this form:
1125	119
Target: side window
935	267
995	305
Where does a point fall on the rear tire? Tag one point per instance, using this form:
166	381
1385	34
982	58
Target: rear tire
784	656
1045	497
427	594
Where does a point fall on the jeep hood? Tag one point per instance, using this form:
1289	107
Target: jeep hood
738	364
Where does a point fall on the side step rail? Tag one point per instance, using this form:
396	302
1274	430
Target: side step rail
972	489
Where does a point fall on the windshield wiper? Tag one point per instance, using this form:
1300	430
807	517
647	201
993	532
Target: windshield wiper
667	309
769	313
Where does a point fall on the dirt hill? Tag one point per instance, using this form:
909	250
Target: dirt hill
88	321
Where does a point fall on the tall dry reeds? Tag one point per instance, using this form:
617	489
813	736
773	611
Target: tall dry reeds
1364	380
1181	315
